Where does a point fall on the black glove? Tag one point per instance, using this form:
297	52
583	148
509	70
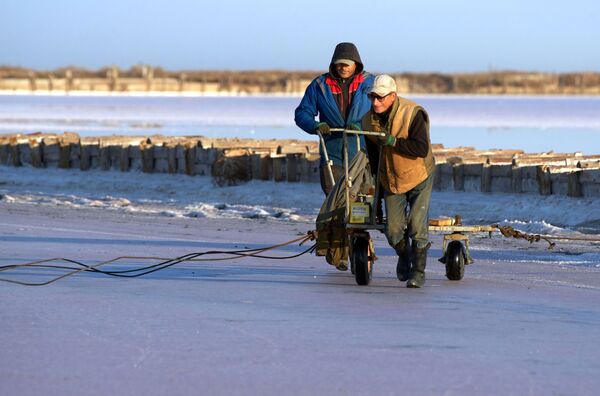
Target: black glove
387	140
354	127
323	128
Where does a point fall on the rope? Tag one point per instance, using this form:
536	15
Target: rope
509	232
165	263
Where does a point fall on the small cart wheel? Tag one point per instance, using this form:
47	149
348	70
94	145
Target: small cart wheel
455	261
360	260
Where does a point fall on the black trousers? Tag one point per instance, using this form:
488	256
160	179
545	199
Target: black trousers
338	172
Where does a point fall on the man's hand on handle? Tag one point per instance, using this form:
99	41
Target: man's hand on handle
387	140
323	128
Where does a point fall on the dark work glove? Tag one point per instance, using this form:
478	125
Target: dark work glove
323	128
354	127
387	140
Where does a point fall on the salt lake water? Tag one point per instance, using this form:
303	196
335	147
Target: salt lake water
530	123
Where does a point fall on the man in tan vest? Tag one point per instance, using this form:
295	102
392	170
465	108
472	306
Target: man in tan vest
405	172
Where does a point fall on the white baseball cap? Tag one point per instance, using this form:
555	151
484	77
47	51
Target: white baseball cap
383	85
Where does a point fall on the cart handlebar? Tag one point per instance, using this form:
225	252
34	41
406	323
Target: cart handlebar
372	133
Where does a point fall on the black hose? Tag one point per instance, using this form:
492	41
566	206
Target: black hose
145	270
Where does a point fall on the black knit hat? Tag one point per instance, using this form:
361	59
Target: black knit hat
346	51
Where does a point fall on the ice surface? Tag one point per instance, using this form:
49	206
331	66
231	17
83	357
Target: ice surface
524	320
185	196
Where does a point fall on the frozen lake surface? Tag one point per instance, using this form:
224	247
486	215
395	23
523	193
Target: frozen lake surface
524	320
534	124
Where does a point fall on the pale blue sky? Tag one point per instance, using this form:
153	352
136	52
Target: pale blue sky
392	36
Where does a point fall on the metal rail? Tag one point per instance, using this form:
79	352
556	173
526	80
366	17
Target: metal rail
353	131
327	161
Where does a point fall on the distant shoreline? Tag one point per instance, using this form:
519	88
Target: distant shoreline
215	94
280	82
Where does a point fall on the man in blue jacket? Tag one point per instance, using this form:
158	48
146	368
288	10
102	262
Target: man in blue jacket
339	98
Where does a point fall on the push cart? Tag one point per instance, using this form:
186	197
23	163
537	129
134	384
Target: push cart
361	216
361	213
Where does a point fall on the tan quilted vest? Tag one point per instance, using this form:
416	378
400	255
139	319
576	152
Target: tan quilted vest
400	173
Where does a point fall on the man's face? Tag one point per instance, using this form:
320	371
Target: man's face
345	71
382	103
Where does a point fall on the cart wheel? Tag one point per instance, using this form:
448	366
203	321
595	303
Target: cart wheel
360	260
455	261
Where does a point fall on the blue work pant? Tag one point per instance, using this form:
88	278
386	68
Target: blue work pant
410	212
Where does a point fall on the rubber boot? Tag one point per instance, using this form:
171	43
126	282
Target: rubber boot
416	277
402	249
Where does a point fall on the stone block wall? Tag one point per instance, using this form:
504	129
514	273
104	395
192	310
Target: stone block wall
231	161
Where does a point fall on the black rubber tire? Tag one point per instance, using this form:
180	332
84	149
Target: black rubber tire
455	261
363	268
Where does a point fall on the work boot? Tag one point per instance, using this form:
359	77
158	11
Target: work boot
402	249
416	277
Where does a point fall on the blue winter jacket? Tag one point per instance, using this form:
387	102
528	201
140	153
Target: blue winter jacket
318	100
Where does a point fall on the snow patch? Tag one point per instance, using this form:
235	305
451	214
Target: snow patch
197	197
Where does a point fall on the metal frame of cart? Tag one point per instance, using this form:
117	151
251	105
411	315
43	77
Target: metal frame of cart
455	247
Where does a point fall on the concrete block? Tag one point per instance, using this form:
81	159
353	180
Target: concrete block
472	176
189	160
147	157
181	158
261	166
544	180
589	180
560	183
443	178
501	171
50	153
104	158
529	181
312	174
64	155
202	169
135	158
24	153
171	159
573	185
501	178
124	160
89	156
516	180
501	185
35	152
161	165
292	162
161	152
13	155
458	177
4	148
279	168
590	176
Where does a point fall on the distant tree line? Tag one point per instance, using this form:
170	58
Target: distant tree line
490	82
